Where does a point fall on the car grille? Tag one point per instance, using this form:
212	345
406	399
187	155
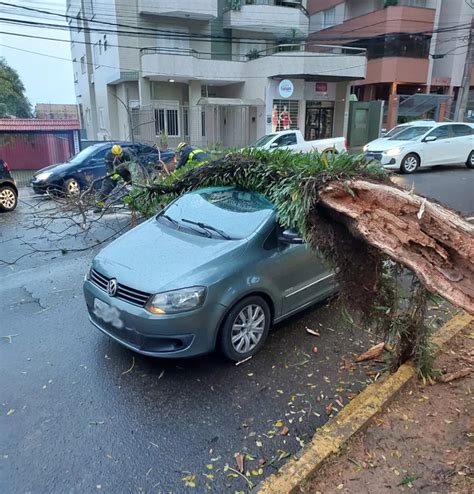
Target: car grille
130	295
374	155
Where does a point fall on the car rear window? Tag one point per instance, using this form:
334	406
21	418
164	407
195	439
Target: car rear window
462	130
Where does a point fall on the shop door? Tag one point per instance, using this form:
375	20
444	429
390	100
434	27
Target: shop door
319	120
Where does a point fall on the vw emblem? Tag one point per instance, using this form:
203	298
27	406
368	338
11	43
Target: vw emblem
112	287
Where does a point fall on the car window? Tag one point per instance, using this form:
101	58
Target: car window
395	131
85	154
263	140
143	148
440	132
462	130
411	133
100	155
286	140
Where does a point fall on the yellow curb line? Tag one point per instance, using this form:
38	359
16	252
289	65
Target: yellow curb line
352	419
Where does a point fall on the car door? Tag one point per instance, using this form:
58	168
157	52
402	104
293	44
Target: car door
463	139
286	141
440	151
298	272
94	167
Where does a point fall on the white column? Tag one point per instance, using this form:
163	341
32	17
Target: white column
144	91
195	122
341	109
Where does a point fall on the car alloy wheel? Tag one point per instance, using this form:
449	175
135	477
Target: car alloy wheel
470	160
72	187
409	164
248	328
245	328
7	199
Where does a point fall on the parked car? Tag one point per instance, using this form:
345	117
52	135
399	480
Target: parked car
8	188
293	139
78	172
426	145
214	268
392	132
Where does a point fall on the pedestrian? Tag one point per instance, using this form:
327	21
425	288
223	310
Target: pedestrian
115	157
187	154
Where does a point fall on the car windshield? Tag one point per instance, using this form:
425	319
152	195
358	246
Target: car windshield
263	140
395	130
221	212
410	133
84	154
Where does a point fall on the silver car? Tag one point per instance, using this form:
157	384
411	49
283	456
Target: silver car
214	268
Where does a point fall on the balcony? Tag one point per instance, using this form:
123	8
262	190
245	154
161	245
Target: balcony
185	65
397	69
271	18
204	10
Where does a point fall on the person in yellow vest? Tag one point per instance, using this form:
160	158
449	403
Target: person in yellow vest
187	154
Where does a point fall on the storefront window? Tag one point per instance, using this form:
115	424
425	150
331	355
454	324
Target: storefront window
285	114
319	120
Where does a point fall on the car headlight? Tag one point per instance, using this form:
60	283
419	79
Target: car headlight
177	300
365	148
393	152
43	176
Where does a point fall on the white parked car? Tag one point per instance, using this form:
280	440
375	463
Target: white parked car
396	130
425	145
293	139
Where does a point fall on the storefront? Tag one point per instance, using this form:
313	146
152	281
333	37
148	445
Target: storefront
299	104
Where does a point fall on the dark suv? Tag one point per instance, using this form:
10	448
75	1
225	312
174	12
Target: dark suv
8	189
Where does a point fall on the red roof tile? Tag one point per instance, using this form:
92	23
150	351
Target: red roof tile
36	124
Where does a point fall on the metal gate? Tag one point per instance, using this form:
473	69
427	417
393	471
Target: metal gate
365	121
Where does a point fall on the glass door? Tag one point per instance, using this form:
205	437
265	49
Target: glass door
319	120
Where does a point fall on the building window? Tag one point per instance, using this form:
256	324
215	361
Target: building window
166	120
396	45
203	123
83	65
79	22
100	47
329	18
186	122
101	118
88	116
96	54
105	42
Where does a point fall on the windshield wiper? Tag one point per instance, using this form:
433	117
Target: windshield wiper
204	226
171	220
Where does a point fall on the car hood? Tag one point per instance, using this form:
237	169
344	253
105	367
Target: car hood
154	257
386	144
57	168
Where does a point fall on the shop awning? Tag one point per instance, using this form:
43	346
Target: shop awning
230	102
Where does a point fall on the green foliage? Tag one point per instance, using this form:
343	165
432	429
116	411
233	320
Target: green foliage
368	280
13	101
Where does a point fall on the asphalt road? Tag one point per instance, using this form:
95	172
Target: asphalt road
80	414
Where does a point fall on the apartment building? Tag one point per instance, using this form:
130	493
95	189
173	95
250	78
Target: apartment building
209	71
413	46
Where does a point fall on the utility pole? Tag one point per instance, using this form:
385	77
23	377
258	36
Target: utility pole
463	93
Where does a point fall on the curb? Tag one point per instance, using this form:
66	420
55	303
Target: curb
352	419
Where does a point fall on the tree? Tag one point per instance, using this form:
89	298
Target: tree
13	101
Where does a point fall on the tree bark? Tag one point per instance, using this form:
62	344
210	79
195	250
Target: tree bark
434	242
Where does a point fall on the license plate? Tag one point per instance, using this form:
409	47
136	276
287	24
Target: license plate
108	314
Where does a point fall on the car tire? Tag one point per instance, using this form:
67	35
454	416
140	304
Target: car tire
72	187
8	198
410	163
470	160
245	319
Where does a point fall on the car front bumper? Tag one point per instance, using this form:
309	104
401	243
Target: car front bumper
185	334
389	162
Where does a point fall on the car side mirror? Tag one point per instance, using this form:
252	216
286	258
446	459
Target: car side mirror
290	236
430	139
274	145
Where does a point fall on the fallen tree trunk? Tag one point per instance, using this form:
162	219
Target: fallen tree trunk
432	241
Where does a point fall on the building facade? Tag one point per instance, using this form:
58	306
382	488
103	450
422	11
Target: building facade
213	72
54	111
413	46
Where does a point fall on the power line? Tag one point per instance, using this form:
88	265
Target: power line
176	34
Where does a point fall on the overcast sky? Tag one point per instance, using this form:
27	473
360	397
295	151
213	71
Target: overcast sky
46	79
